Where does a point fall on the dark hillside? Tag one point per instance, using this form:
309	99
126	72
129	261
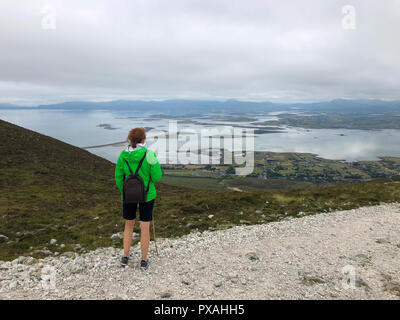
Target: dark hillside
52	190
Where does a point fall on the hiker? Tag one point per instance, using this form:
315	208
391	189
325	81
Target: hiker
149	172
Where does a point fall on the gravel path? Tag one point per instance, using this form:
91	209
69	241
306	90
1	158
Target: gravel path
340	255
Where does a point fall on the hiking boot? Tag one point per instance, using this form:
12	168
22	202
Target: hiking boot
124	261
144	264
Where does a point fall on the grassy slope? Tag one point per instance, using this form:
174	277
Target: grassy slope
49	189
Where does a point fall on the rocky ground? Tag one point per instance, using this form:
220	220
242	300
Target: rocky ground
340	255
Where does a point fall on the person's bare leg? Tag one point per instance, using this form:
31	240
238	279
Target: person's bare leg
129	224
144	238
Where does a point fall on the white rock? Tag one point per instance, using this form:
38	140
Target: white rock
118	235
216	264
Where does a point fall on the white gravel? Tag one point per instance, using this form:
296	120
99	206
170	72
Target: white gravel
303	258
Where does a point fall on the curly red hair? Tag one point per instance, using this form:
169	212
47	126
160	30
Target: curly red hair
135	136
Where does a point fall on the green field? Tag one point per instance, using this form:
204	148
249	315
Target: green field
282	171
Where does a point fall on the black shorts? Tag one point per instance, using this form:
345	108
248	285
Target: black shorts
145	210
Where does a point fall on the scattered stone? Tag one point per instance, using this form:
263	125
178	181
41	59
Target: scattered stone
118	235
29	261
53	241
210	216
245	222
252	256
382	241
3	238
219	264
361	283
45	252
69	254
393	287
208	291
185	282
308	279
21	259
362	259
166	295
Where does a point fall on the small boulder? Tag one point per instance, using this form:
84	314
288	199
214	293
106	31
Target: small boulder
21	259
45	252
118	235
166	295
208	291
29	261
69	254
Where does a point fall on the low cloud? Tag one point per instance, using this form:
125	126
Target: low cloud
220	49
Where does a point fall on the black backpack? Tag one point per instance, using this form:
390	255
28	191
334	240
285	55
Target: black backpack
133	186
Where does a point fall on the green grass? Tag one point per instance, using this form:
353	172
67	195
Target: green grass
282	171
339	121
49	189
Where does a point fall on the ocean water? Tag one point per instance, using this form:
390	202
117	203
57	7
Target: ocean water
106	127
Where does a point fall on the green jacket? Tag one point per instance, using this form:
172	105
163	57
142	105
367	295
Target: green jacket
150	168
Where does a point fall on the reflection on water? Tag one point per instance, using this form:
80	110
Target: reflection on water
91	128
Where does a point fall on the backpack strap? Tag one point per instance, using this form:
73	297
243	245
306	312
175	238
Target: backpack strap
140	164
128	166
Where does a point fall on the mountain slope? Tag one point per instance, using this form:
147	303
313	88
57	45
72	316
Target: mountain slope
52	190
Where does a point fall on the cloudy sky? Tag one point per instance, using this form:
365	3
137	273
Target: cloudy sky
53	51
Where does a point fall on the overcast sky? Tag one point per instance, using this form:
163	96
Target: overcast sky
282	50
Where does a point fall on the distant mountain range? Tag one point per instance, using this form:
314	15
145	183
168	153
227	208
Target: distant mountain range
228	106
